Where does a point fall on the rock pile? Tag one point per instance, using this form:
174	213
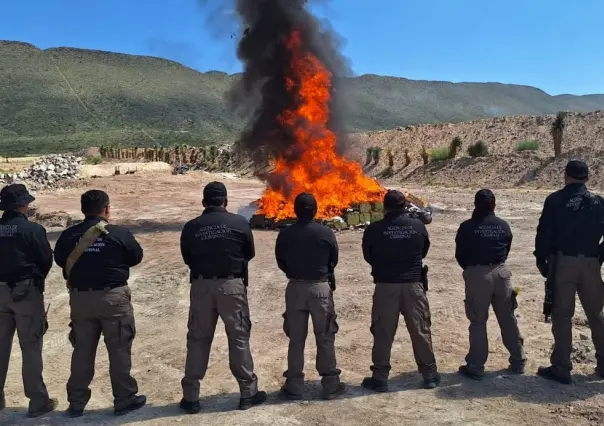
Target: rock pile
47	171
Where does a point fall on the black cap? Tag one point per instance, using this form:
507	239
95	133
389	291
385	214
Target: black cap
577	169
484	197
305	206
394	200
214	190
14	196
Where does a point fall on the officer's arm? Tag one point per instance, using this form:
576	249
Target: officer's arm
460	248
41	250
335	251
510	236
601	200
366	245
544	232
426	241
134	252
62	250
250	249
280	247
184	246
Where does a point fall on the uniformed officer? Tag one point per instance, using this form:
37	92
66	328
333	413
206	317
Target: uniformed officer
482	247
25	260
217	247
308	253
100	302
395	247
567	247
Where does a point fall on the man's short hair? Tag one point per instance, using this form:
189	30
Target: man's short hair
94	202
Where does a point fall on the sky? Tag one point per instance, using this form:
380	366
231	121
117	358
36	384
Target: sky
555	45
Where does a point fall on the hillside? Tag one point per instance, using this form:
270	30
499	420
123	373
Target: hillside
503	167
63	99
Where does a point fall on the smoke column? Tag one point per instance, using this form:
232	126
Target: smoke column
261	94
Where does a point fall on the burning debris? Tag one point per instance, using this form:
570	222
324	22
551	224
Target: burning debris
356	216
290	66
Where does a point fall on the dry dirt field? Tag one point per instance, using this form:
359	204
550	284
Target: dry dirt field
156	207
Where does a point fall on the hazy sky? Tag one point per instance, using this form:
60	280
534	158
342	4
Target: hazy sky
555	45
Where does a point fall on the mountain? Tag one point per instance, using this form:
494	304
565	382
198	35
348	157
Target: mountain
63	99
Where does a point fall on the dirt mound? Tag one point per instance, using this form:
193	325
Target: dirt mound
501	134
498	171
527	168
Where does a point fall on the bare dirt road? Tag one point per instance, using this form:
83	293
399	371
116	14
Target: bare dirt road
156	207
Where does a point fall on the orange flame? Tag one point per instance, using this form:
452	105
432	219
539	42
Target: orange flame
335	181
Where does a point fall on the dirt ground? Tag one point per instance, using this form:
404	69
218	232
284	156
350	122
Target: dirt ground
156	208
16	164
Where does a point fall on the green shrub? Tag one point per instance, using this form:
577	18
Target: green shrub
478	149
530	145
97	159
440	154
376	154
369	155
454	147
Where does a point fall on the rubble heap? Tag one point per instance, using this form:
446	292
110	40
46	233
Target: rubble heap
47	171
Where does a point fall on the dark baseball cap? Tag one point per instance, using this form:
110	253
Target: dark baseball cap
484	196
394	200
577	169
305	206
15	196
214	190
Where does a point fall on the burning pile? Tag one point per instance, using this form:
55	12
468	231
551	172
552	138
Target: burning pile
291	66
336	182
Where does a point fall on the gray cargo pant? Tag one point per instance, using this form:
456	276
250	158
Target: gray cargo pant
109	312
410	300
314	299
28	318
576	275
227	299
486	286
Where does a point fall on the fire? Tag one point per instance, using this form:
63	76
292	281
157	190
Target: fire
335	181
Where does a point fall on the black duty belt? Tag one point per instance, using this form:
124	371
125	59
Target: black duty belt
486	264
218	277
575	254
105	288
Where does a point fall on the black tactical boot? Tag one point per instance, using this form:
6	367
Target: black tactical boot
51	405
335	393
74	412
190	407
2	402
465	371
138	401
516	369
548	373
247	403
288	396
375	385
431	381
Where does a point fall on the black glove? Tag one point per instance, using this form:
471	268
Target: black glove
543	268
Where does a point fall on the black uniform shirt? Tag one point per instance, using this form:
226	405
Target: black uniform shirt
24	249
572	221
106	262
483	240
217	244
307	251
395	247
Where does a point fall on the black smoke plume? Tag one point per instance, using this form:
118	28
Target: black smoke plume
261	95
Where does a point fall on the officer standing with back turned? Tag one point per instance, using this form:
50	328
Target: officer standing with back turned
395	247
482	246
568	250
217	247
308	253
25	260
96	258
